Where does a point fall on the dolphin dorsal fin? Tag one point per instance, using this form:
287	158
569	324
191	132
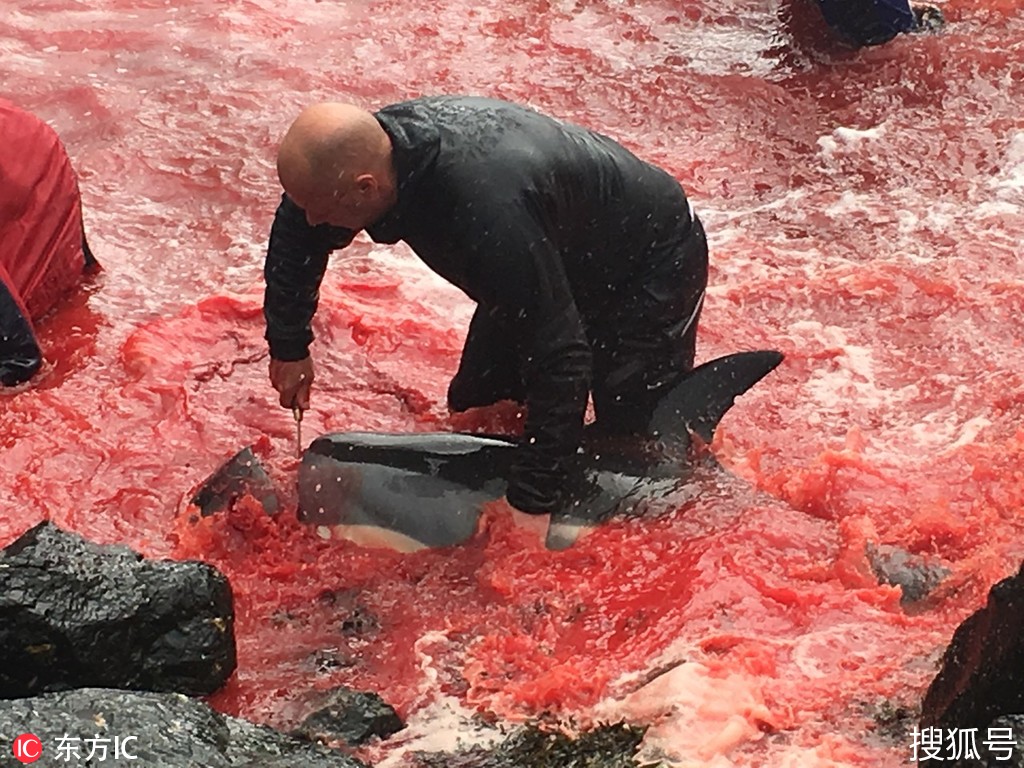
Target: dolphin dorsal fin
698	402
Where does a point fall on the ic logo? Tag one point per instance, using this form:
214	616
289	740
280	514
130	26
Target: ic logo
27	748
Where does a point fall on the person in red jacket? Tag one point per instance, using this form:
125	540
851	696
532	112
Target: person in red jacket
43	250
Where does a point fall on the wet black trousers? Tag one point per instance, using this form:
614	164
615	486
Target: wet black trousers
641	346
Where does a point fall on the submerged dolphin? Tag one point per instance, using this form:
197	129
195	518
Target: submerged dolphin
416	490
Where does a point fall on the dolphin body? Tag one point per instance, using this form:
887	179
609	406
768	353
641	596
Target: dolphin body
418	490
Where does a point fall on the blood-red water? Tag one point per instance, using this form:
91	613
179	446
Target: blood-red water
866	215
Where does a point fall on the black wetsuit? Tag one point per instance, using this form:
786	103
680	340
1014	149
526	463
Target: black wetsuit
868	22
586	263
20	356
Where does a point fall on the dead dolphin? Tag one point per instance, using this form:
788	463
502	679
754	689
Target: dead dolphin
416	490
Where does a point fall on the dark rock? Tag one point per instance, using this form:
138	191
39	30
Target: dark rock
169	730
349	716
358	619
928	18
76	614
893	721
609	746
982	674
240	475
916	576
326	660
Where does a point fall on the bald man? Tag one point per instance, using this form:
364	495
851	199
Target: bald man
587	264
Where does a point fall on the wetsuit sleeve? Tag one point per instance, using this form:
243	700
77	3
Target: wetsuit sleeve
518	272
295	266
20	356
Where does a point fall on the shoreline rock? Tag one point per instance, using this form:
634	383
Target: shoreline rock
76	614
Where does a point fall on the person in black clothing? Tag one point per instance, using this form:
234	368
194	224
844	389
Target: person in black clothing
587	264
873	22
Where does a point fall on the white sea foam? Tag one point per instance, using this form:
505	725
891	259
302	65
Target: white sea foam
851	202
853	374
1009	182
720	216
944	431
851	135
996	208
442	726
842	139
696	717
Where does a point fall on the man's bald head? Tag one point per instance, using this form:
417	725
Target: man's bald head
336	156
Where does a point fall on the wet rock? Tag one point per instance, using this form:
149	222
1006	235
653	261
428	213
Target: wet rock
916	576
349	716
76	614
357	620
609	746
159	729
928	18
982	674
893	721
324	661
240	475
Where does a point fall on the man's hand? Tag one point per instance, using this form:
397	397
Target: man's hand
292	380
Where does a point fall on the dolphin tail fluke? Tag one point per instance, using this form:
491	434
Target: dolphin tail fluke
701	399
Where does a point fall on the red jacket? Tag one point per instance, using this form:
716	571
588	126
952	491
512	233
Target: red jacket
42	247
